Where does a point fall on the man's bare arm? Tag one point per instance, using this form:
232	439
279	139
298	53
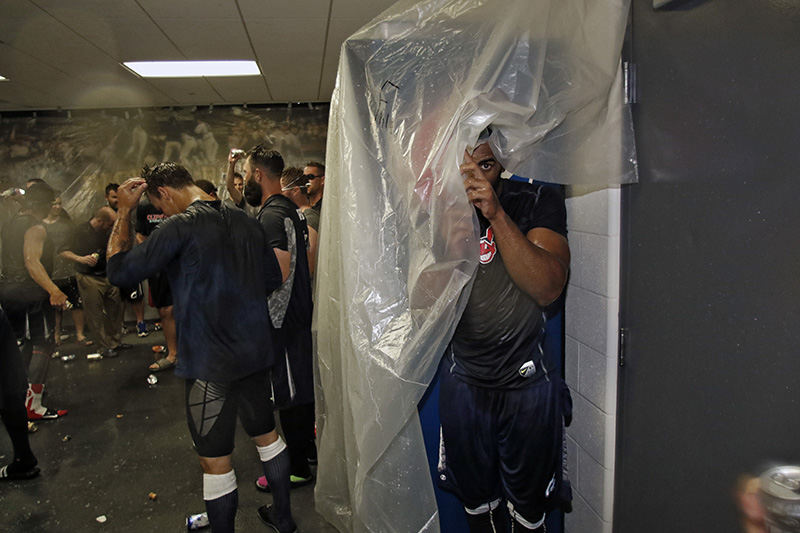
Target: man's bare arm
122	237
236	196
537	262
284	261
88	260
32	248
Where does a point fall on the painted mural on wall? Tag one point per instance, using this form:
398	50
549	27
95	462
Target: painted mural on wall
80	154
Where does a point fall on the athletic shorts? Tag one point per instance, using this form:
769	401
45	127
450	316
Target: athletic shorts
131	294
501	444
211	410
69	286
160	293
28	309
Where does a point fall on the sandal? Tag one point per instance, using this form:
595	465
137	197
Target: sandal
161	364
85	342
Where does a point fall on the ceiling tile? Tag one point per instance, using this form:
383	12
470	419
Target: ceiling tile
284	9
340	29
190	9
189	90
351	9
209	38
240	90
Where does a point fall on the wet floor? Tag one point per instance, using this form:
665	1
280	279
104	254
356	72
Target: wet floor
122	440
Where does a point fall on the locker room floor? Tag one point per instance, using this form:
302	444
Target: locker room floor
122	440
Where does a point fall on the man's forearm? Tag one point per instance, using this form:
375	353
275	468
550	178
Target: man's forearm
121	239
38	274
236	196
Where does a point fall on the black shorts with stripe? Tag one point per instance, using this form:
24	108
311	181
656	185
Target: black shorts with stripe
501	444
212	409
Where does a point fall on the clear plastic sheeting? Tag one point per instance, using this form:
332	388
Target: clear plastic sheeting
398	250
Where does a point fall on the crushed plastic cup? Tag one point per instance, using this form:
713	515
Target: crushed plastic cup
94	356
102	519
152	379
67	358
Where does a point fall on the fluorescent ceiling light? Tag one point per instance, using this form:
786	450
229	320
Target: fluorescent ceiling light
192	69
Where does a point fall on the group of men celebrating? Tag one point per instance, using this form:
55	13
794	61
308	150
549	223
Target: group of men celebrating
242	292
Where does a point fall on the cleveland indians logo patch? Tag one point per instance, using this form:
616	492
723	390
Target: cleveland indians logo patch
488	247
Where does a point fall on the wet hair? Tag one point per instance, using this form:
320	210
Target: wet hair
207	186
39	197
166	175
111	187
293	177
318	165
271	160
238	175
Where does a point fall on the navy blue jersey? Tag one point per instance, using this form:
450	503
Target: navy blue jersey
501	325
221	273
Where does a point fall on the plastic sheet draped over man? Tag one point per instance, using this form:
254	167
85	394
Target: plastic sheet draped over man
399	241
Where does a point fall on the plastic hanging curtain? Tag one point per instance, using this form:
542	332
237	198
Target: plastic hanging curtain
398	249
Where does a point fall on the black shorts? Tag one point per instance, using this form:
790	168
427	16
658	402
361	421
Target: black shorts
69	286
28	309
160	293
131	294
211	410
501	444
293	373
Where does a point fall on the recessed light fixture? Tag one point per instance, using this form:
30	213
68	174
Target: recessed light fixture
192	69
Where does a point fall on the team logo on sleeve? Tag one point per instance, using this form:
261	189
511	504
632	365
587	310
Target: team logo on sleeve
488	247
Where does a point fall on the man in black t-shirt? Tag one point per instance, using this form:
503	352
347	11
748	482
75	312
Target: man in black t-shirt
501	410
290	307
101	300
148	217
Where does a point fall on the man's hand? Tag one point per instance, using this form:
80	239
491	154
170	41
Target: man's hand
58	299
234	155
480	191
88	260
130	192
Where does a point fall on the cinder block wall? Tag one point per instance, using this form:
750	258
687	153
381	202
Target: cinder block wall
592	323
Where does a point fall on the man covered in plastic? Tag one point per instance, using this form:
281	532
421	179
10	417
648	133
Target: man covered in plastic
290	308
221	274
501	410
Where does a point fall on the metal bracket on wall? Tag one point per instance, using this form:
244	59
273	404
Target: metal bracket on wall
630	82
623	338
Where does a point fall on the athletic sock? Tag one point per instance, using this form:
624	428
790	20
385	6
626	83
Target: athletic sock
222	499
275	462
33	400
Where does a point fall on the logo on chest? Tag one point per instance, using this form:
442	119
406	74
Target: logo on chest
488	247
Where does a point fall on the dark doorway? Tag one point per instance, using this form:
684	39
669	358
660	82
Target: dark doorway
711	262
